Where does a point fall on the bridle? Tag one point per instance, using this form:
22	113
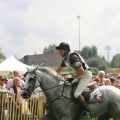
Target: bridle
43	90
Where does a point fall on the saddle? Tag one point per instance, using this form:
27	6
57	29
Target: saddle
88	94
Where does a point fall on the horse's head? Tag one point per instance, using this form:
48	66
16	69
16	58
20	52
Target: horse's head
43	77
31	82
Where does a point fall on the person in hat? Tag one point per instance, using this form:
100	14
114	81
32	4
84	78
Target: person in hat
3	96
3	84
81	71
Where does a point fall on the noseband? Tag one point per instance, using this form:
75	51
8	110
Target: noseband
36	78
32	78
43	90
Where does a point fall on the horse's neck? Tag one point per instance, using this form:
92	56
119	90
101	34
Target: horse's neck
49	84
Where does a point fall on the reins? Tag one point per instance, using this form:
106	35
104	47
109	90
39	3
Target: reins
62	92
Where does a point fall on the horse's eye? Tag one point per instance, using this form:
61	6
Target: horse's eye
31	79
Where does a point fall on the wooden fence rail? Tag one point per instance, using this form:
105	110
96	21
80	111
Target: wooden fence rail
12	108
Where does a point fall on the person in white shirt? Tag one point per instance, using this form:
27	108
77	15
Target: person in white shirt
103	80
15	91
10	81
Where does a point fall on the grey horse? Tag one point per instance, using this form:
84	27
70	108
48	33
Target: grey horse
59	104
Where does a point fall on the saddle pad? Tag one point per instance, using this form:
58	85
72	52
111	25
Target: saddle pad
96	96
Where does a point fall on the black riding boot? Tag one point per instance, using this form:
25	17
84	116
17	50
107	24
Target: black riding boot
85	112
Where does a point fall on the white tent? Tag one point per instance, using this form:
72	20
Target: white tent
11	64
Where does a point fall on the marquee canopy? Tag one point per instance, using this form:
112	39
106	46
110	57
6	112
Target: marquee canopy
11	64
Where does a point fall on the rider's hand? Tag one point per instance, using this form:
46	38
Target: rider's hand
69	78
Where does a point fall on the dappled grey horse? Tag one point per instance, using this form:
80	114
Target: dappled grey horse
60	106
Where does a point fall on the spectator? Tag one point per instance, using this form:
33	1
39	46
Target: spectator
107	75
10	81
10	75
101	76
3	84
97	81
107	81
118	81
2	97
16	88
94	84
113	81
19	103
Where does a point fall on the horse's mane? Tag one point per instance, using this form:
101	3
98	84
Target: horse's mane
50	72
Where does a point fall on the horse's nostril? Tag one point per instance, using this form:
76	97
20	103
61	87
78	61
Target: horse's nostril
24	94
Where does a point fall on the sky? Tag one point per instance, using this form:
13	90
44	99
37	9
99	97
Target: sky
28	26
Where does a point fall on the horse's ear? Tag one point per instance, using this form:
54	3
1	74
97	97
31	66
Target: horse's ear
27	68
35	67
42	64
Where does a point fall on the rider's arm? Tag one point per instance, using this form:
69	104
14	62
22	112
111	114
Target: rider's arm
75	60
79	72
60	68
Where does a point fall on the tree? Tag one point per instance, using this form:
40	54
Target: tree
115	63
49	49
98	62
89	52
94	51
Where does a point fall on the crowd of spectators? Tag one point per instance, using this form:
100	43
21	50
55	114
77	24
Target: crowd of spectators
11	99
103	78
12	88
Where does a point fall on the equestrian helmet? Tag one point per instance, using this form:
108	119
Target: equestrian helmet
63	46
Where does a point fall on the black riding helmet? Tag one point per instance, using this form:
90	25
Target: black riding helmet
63	46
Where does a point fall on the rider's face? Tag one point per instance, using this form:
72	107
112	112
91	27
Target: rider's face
61	52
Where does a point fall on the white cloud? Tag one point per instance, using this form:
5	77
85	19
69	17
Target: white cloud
27	26
34	44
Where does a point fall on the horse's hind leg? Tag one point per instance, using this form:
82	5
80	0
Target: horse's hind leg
46	117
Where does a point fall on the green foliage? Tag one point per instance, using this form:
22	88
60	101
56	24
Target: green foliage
98	62
115	63
89	52
49	49
94	61
94	70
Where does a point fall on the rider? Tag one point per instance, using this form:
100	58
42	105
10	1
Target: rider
82	72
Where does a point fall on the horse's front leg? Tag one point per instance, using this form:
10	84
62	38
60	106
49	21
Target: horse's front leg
47	117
